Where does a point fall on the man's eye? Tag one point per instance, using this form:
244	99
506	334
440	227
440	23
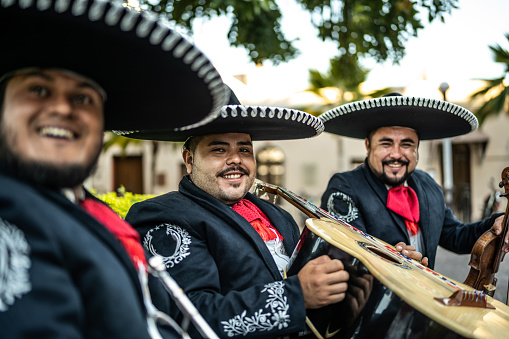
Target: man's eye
39	90
83	99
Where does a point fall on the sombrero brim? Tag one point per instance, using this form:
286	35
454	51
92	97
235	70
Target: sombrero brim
262	123
152	76
432	119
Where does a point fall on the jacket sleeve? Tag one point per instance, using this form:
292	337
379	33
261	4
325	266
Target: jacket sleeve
258	310
459	237
340	200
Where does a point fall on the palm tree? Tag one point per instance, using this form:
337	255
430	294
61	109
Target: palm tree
497	89
345	75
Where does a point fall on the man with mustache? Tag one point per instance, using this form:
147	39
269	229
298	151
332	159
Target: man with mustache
69	266
387	197
227	248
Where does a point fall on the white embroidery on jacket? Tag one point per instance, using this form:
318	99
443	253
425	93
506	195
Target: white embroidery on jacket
353	212
277	316
182	241
14	264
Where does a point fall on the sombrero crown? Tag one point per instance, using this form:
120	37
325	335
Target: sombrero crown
261	122
431	118
150	73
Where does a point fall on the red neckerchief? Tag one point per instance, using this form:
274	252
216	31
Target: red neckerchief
124	232
257	219
403	201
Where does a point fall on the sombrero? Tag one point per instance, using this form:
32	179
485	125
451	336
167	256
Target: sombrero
151	75
431	118
261	122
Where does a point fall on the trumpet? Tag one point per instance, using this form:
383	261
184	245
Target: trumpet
157	268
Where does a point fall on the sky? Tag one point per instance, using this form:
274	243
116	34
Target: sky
454	52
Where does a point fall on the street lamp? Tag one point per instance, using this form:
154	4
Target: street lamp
447	158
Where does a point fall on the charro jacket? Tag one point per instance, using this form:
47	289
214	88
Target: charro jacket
62	274
359	198
222	263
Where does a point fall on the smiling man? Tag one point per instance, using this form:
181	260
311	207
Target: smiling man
69	266
227	248
51	128
387	197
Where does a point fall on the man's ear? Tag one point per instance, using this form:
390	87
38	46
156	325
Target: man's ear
366	143
187	156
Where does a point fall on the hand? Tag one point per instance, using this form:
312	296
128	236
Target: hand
497	229
359	290
410	252
323	281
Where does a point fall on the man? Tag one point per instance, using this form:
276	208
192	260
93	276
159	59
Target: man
227	248
70	267
387	197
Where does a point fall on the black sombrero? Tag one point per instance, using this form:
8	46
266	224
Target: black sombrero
261	122
152	76
432	119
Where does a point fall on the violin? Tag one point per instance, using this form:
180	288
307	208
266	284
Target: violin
487	252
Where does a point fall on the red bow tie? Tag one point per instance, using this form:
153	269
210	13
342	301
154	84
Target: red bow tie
403	201
257	219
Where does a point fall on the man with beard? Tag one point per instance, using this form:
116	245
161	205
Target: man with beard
69	266
387	197
227	248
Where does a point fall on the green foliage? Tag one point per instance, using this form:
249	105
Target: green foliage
367	28
121	201
496	89
113	139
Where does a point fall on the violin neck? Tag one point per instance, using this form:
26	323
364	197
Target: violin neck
500	254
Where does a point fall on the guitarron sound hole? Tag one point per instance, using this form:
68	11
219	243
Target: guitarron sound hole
381	253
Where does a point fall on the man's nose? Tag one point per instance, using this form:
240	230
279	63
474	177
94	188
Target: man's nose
395	152
61	104
233	158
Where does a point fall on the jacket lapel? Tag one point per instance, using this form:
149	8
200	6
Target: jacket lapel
381	192
232	218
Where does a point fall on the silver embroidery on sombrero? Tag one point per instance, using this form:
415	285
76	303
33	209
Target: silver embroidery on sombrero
402	101
353	212
277	316
177	234
14	264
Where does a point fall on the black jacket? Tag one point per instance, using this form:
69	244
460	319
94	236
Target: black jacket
359	198
222	263
62	274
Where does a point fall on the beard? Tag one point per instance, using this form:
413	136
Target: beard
43	173
392	181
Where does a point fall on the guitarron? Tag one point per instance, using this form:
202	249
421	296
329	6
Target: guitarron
389	294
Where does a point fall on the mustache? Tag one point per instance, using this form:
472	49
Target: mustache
401	161
233	169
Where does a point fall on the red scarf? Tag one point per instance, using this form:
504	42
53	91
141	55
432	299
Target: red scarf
124	232
403	201
257	219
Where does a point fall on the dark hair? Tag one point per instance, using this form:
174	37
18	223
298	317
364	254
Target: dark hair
3	87
191	143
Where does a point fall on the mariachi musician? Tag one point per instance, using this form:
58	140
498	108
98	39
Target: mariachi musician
69	266
389	198
227	248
